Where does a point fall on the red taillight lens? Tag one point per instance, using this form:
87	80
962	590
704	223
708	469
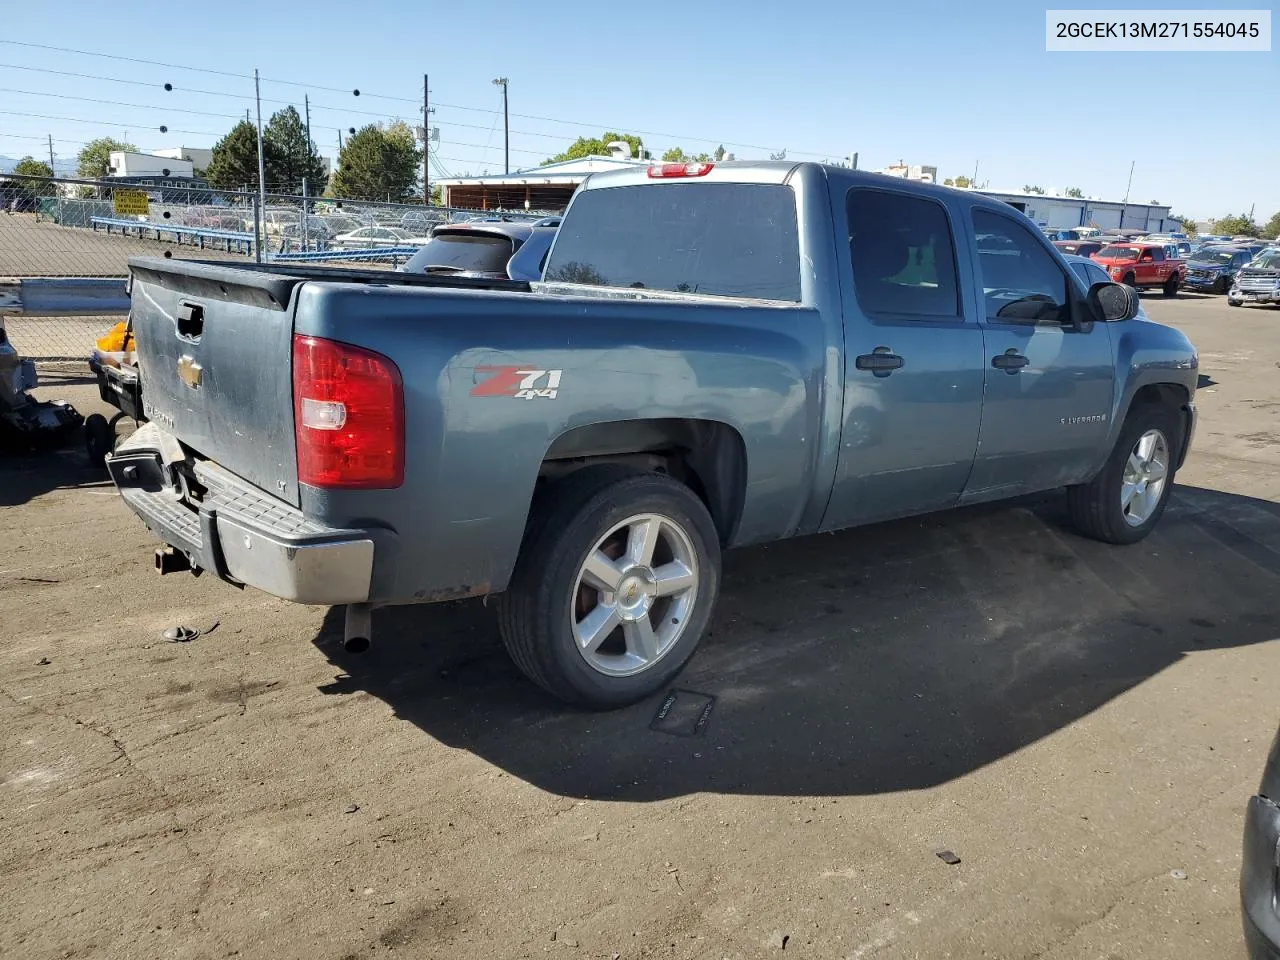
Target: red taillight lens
692	169
348	415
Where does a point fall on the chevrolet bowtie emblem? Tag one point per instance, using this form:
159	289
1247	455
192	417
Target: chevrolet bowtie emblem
190	371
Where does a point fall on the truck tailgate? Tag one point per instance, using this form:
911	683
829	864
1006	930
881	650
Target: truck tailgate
215	352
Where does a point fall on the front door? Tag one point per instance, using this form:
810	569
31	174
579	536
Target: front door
913	365
1049	382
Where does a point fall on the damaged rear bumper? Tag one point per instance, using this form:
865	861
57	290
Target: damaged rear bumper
235	530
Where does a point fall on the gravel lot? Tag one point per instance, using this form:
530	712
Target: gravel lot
1081	725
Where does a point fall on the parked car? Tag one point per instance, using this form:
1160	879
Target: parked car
368	237
717	355
1259	872
1143	265
421	222
1212	269
470	250
1080	248
1258	281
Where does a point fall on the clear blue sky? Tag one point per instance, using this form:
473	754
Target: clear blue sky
941	83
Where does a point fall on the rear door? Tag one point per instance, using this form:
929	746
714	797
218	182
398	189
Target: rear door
913	364
1048	384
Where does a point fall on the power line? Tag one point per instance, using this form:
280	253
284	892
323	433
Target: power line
295	83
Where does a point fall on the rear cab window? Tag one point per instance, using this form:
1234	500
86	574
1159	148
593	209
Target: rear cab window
720	239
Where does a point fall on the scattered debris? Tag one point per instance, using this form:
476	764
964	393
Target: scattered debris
352	808
947	857
43	662
553	936
180	634
684	713
210	628
1178	874
778	940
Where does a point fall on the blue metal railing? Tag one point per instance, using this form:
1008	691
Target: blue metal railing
201	236
394	254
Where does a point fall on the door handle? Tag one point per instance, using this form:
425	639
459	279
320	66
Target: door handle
881	362
1011	361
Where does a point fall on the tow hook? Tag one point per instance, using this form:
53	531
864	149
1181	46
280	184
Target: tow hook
359	627
169	560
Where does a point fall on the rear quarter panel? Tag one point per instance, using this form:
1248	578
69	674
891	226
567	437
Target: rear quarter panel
472	461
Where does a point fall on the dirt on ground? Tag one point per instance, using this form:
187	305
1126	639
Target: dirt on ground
1079	726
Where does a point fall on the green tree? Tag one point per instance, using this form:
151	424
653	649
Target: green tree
1075	192
235	159
599	147
961	181
720	153
1239	225
1027	188
30	189
674	155
378	163
291	156
94	158
1271	230
1188	225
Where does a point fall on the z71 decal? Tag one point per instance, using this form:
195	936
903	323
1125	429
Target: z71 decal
519	382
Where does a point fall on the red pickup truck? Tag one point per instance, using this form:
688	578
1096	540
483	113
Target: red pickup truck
1143	265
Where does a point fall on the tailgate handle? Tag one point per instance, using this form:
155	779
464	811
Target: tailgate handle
190	321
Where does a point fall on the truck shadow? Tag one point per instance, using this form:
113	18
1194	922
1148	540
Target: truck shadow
893	657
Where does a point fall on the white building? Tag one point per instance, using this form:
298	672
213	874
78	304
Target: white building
198	157
1058	211
913	171
122	164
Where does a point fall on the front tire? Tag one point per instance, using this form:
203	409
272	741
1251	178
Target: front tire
1131	281
1171	286
1125	501
1222	285
615	584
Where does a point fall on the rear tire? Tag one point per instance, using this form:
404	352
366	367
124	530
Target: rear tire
603	648
1122	504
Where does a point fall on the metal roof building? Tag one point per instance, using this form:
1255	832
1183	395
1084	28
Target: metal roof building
537	188
1058	211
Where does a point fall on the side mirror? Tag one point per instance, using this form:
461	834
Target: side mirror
1113	301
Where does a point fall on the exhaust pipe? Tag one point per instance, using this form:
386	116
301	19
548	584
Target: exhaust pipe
359	627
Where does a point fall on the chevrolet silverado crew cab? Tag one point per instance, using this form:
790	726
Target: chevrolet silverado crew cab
1142	265
716	355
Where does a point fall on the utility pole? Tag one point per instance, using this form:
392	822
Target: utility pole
262	166
974	182
339	140
51	155
306	105
506	126
1124	207
426	142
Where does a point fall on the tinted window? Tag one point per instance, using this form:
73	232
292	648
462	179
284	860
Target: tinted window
1090	273
724	239
1157	255
458	252
903	257
1021	281
1119	253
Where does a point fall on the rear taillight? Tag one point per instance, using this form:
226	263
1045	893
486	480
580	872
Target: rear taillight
694	168
348	415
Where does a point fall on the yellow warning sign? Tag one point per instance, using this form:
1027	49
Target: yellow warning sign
129	203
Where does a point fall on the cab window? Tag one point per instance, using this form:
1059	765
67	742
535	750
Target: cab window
1021	282
903	256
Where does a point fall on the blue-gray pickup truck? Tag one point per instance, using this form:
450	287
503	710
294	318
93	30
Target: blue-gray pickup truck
716	355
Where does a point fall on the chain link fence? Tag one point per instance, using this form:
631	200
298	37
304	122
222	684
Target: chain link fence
90	228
